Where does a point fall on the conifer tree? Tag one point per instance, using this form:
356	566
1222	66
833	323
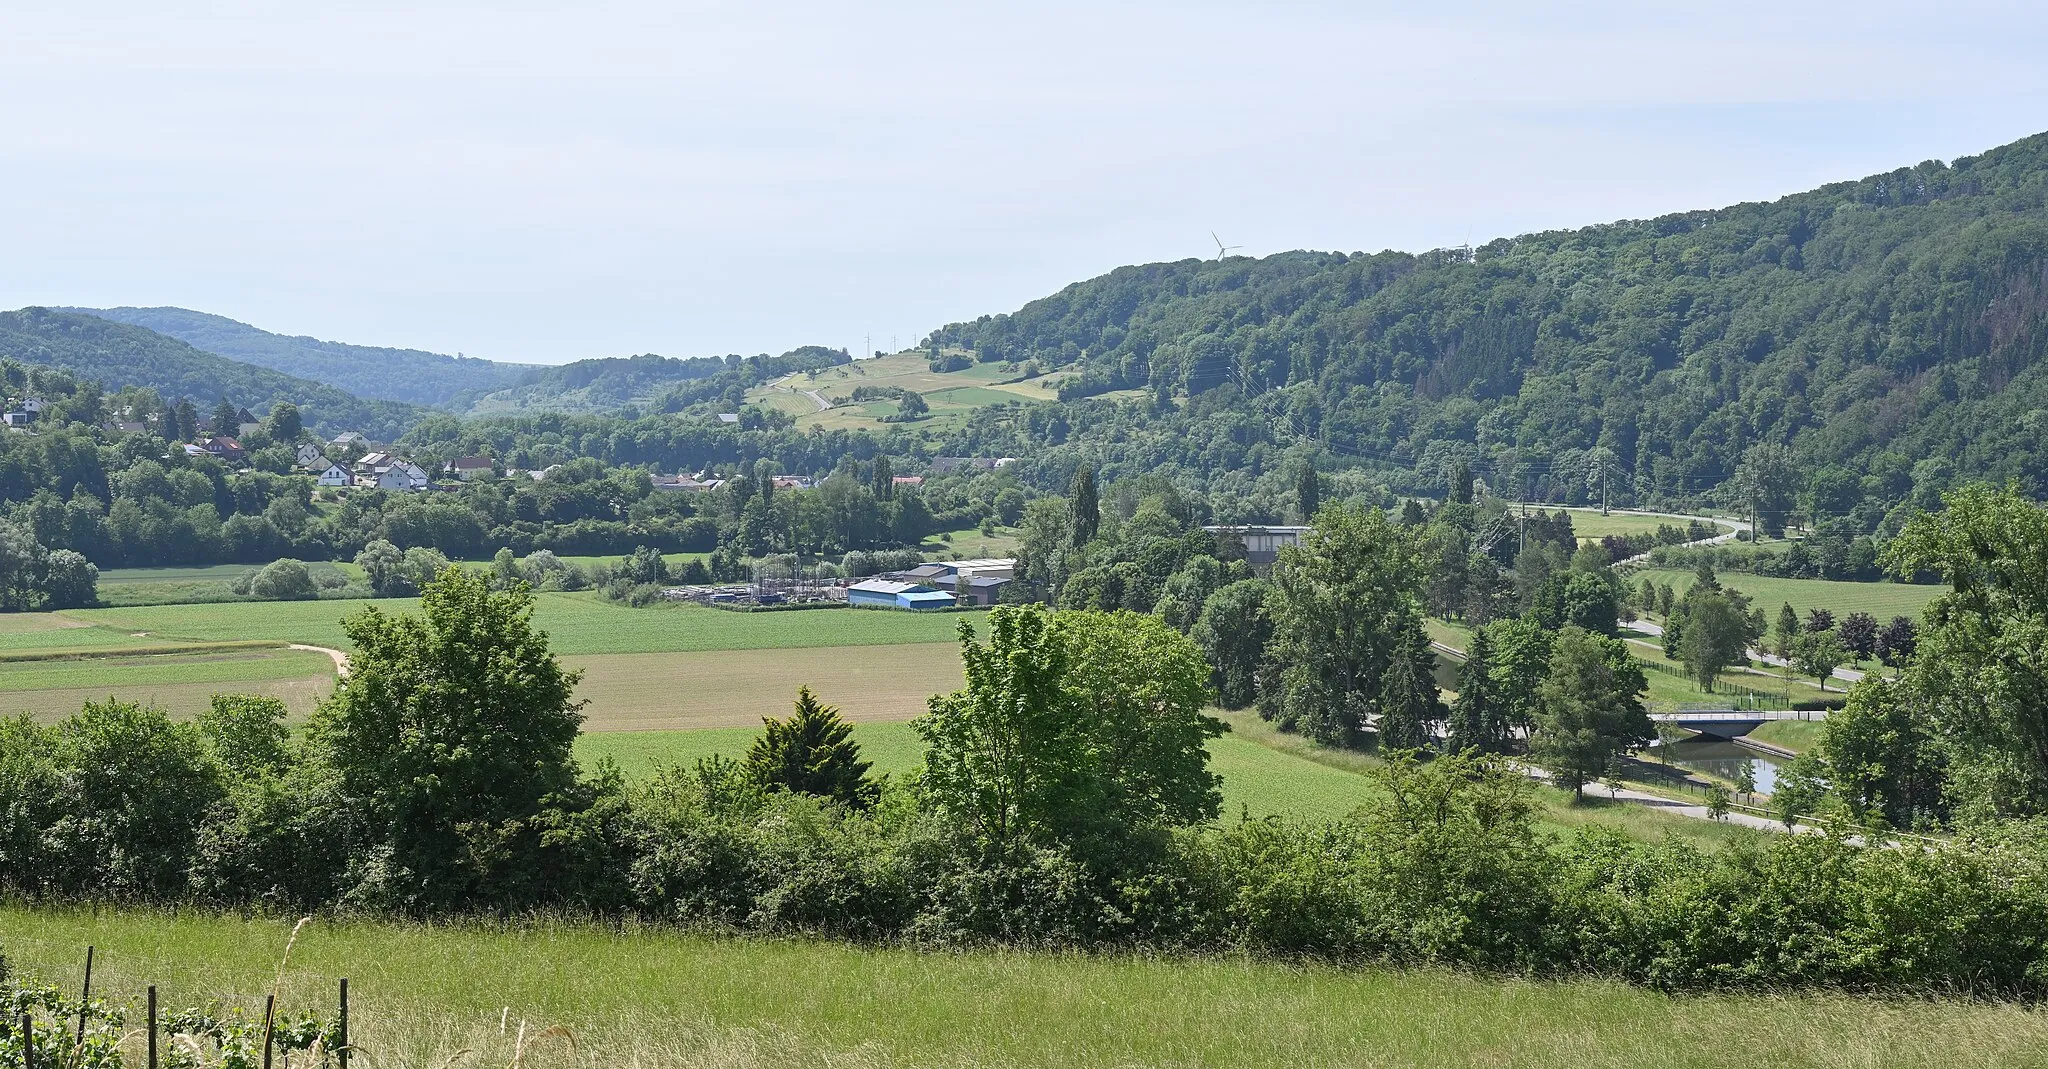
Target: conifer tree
1408	702
1087	509
1308	491
811	752
1477	721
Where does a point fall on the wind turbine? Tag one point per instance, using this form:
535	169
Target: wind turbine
1222	250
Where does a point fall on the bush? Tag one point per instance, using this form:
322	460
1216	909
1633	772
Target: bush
283	580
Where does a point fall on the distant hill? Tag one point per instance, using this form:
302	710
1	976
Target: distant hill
607	383
118	355
1891	329
409	375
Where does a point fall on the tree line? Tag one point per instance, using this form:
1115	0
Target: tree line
1065	800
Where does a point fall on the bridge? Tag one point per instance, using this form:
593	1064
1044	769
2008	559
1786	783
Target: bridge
1732	723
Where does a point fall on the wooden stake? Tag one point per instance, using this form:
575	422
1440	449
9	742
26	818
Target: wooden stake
341	1033
152	1026
28	1042
269	1018
85	996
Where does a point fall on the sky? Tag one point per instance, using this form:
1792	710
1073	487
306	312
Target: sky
544	183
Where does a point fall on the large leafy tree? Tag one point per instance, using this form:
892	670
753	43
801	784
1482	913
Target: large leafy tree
1881	757
1982	659
1233	631
1590	708
811	752
1073	726
1343	602
1715	635
450	736
1519	663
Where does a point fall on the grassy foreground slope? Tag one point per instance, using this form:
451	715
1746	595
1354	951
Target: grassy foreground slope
654	998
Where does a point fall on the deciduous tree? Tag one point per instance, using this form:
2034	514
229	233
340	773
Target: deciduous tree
1591	708
450	735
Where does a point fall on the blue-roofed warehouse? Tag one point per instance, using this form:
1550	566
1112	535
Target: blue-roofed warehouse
890	594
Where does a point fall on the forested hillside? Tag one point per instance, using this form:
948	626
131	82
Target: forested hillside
662	383
1889	331
118	356
408	375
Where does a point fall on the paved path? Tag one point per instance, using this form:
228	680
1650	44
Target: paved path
1734	528
1848	675
816	398
340	659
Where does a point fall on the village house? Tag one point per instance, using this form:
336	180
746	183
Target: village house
224	447
401	475
335	475
686	483
467	468
310	456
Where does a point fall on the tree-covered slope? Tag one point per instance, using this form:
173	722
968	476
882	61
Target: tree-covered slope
662	382
1890	330
119	355
409	375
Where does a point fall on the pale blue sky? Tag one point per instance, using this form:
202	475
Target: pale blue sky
550	182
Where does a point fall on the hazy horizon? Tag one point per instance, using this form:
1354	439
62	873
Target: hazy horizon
533	186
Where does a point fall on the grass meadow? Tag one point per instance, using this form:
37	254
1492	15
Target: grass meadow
635	692
580	623
1790	734
1882	600
1590	524
656	998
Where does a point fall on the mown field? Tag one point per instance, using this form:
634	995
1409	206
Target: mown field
1882	600
736	688
1589	523
653	998
667	667
182	683
579	623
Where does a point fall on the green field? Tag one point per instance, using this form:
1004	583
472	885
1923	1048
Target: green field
57	632
208	583
123	673
667	667
578	623
653	998
950	394
1882	600
1588	523
736	688
1791	734
1265	773
183	684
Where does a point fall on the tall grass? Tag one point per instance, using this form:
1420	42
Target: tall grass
638	998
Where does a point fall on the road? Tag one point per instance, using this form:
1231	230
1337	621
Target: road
816	397
1735	528
339	658
1847	675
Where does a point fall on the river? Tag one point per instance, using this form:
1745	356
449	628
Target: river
1719	757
